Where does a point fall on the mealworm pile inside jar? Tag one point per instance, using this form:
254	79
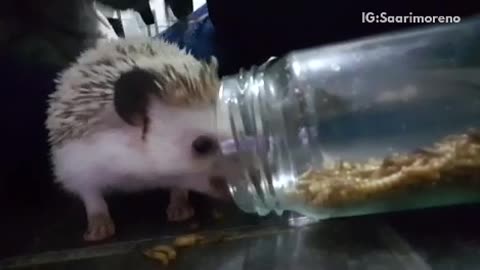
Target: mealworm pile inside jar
453	160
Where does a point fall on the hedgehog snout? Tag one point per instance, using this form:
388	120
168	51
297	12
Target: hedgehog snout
225	169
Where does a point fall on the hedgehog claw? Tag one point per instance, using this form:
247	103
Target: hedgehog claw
179	208
177	213
100	227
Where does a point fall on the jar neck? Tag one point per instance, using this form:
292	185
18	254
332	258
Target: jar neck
243	111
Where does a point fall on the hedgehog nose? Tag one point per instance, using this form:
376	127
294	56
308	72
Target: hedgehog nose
204	145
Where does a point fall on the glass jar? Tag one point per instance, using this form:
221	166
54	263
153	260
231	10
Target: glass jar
381	124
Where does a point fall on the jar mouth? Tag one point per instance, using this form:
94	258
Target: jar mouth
239	115
231	147
248	192
269	135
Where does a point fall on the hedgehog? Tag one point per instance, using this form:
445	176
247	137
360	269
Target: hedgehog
130	115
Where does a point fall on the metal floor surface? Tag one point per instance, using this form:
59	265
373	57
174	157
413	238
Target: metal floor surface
446	238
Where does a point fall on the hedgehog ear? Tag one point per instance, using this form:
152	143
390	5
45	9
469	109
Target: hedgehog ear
131	95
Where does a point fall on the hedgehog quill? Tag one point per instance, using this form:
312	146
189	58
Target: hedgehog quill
131	115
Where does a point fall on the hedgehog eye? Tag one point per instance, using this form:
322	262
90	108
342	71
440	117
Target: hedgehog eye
204	146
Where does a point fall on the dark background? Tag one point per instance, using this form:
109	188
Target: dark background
37	216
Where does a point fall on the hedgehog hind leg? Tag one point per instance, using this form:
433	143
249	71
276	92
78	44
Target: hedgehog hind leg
100	223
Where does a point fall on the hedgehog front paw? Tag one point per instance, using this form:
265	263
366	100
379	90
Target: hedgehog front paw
177	213
100	227
179	208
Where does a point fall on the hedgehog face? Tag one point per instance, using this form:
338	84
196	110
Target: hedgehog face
190	145
176	112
